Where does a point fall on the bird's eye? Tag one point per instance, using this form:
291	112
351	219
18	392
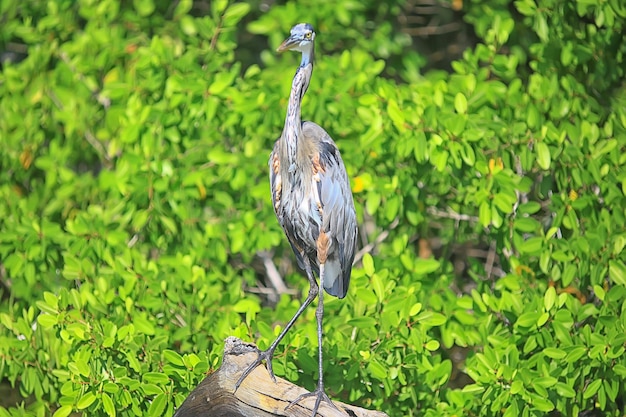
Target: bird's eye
307	35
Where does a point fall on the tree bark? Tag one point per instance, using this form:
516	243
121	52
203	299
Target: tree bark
258	395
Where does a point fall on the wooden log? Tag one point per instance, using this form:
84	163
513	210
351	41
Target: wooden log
258	395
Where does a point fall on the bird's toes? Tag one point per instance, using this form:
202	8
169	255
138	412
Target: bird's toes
263	355
270	370
319	395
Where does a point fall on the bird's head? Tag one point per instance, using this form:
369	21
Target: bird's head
301	39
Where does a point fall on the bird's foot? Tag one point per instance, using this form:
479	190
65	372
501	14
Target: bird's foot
319	395
263	355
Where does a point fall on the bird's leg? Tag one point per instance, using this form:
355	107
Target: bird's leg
268	354
318	393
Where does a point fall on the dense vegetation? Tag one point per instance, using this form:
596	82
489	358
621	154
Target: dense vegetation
135	219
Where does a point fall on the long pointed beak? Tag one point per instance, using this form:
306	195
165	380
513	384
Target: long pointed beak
288	44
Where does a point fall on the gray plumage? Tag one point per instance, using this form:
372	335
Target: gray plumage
313	203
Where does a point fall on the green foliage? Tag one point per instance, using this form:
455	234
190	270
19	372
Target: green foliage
134	201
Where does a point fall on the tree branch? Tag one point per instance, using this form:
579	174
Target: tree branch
258	395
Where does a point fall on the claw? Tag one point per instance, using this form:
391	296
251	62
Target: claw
263	355
320	396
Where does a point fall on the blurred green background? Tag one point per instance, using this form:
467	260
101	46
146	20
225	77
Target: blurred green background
486	146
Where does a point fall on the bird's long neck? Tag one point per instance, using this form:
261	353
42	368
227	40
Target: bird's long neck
293	122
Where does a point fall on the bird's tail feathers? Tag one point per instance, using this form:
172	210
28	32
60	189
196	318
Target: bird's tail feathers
333	278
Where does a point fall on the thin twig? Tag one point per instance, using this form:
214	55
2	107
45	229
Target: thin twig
451	214
433	29
379	239
272	272
93	141
270	291
491	258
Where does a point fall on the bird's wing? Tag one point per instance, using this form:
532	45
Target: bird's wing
332	190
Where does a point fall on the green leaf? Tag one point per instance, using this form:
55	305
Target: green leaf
235	13
133	362
530	207
46	308
368	264
378	370
619	242
545	381
603	147
191	360
86	400
364	322
575	354
549	298
426	266
143	325
82	365
219	6
182	8
155	378
221	82
158	405
430	318
599	292
416	308
111	387
541	27
504	202
379	287
468	154
248	306
592	389
373	202
51	300
188	25
62	411
602	398
543	155
543	319
47	320
460	103
395	114
484	214
531	246
108	405
617	272
554	353
392	207
366	295
473	389
528	319
611	388
144	7
173	357
526	7
620	370
526	224
432	345
542	404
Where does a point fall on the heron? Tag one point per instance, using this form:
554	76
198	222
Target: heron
313	203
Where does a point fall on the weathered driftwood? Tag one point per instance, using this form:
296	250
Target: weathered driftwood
258	395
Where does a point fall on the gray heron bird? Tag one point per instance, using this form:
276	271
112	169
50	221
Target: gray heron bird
313	204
